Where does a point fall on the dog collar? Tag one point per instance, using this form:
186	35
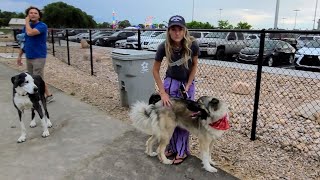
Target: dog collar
221	124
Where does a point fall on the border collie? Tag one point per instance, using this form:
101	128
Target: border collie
28	91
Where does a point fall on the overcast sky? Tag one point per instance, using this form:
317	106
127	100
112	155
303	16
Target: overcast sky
259	13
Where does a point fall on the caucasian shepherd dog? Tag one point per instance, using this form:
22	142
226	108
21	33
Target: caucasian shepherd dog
206	118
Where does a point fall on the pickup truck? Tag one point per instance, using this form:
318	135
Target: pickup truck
222	44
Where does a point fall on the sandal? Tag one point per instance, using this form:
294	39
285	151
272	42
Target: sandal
169	153
179	160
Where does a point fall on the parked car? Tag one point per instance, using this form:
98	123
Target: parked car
304	39
78	37
121	43
276	52
110	41
221	44
308	56
101	34
153	43
132	42
198	34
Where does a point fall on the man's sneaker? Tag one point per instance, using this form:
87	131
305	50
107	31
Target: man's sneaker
50	99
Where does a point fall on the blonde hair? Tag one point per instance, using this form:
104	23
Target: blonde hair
186	47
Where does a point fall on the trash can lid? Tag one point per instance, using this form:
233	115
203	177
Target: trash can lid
131	54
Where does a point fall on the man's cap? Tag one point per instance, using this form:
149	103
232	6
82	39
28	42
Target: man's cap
177	21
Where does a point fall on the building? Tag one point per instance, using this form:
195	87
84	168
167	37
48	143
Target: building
16	23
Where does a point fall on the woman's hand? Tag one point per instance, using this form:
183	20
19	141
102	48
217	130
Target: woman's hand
165	99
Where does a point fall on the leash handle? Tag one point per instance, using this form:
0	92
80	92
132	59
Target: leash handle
184	92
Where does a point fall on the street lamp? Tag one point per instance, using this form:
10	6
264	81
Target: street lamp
283	20
295	18
315	14
192	9
220	14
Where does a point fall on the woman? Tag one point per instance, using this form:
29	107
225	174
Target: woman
181	52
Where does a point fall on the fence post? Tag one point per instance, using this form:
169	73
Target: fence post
258	84
91	57
68	50
139	39
52	39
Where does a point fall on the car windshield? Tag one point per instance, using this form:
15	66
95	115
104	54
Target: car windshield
267	45
220	35
313	44
116	33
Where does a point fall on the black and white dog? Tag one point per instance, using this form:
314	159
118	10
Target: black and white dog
28	91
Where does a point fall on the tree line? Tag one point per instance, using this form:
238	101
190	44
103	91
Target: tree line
62	15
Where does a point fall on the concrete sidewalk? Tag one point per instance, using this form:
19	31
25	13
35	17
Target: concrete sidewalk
84	143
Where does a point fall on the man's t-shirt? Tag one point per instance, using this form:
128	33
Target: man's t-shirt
176	69
36	46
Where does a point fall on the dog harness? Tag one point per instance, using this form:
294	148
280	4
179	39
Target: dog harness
221	124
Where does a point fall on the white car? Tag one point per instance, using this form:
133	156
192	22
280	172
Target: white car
121	43
308	57
132	41
304	39
153	43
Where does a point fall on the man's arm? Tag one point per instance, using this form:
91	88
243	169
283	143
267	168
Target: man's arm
29	30
19	59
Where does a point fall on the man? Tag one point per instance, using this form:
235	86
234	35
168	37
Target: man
35	45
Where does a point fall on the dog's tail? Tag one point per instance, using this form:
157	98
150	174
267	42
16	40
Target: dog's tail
143	117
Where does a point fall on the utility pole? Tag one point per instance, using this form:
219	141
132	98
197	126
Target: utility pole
192	9
295	18
315	15
276	15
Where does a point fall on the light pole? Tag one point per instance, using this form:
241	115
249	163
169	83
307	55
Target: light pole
315	14
276	15
283	21
192	9
220	14
295	18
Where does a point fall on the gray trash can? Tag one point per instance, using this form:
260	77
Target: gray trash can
134	69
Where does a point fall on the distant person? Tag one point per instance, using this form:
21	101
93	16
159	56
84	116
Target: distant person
35	46
181	52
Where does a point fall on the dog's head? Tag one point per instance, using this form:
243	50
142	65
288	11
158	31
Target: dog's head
215	108
23	84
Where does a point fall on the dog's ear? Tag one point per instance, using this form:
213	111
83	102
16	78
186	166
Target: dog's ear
154	98
15	80
214	103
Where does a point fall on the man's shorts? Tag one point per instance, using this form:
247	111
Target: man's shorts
36	66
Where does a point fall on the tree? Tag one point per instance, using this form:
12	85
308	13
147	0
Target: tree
62	15
104	25
224	25
5	17
124	24
243	25
199	25
141	26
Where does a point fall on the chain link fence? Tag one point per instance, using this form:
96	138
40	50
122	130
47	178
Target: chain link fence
269	78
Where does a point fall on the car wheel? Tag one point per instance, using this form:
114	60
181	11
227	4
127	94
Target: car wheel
291	60
220	54
270	61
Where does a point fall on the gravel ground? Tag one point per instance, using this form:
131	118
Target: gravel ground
287	145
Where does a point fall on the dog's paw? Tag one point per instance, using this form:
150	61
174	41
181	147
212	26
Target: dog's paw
49	124
153	154
167	161
21	139
212	162
210	169
45	133
33	124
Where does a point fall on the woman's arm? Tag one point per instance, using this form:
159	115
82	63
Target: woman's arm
193	71
156	74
